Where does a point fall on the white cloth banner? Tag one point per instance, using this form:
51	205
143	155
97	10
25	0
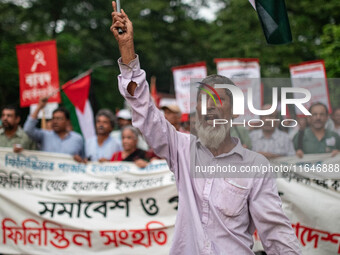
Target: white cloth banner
311	200
245	73
311	76
50	204
182	76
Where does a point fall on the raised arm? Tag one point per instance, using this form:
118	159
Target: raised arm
30	125
159	133
125	40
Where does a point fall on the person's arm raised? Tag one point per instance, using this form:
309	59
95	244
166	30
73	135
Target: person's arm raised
41	105
124	40
30	125
159	133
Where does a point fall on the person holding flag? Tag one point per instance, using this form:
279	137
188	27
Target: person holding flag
215	215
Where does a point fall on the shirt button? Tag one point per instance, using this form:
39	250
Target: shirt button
208	181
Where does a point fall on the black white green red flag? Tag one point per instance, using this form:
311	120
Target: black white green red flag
76	100
274	20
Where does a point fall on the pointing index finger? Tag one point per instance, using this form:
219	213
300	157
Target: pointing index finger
114	6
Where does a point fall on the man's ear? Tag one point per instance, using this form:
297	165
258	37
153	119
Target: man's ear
69	126
17	120
309	119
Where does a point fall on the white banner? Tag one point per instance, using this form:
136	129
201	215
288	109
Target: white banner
311	76
311	200
245	73
182	76
50	204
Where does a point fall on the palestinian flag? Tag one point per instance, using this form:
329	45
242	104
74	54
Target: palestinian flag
75	98
274	20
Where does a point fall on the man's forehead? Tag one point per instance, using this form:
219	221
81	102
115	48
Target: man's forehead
59	113
220	91
103	118
8	111
318	108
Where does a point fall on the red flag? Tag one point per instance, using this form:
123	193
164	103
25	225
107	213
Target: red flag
153	89
77	90
38	72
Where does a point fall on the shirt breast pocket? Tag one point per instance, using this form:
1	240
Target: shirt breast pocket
232	198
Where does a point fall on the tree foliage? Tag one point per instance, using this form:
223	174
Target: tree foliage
167	33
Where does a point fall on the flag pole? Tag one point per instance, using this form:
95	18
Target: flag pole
43	120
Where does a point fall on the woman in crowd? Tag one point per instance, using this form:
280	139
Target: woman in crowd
130	151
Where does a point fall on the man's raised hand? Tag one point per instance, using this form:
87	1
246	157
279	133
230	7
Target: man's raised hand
42	102
125	40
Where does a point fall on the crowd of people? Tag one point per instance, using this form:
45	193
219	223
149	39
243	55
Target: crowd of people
318	133
313	134
210	217
122	144
115	140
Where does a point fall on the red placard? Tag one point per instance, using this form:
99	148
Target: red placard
38	72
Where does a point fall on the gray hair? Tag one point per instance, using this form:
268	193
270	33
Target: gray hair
319	104
216	79
132	129
108	114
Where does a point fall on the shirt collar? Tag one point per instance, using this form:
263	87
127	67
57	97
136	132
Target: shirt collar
68	135
310	132
18	133
238	149
274	134
107	140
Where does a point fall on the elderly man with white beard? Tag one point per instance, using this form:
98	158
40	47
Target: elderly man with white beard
214	137
215	215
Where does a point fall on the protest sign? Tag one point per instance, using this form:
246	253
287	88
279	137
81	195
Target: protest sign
182	76
38	72
245	73
51	204
311	75
310	199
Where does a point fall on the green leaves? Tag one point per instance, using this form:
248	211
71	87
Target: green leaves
166	35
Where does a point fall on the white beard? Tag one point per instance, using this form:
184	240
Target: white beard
211	137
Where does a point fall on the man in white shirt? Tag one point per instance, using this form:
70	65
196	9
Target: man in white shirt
215	215
269	140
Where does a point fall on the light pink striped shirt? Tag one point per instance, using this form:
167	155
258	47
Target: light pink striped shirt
215	215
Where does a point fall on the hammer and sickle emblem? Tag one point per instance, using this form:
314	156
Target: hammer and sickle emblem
39	58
